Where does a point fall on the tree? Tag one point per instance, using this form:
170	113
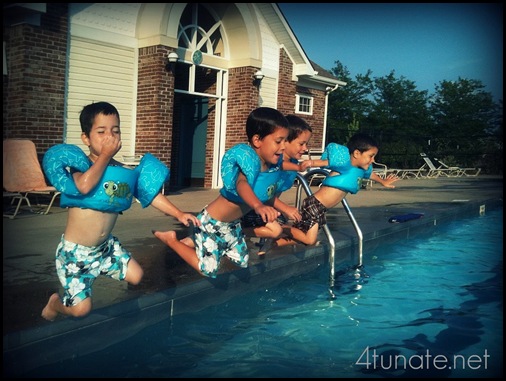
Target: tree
460	123
465	117
399	120
348	105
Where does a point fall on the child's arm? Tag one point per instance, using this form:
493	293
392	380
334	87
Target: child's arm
318	163
86	181
290	212
244	190
289	166
303	165
164	205
387	182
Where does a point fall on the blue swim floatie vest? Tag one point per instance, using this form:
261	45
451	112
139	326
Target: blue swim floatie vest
286	178
243	158
116	188
350	177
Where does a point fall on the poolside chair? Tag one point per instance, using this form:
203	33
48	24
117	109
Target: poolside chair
23	176
381	170
411	173
433	171
459	171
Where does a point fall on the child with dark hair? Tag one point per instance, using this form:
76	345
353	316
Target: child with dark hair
348	166
96	189
299	134
250	174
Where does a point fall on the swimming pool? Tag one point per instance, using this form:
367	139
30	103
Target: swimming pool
432	303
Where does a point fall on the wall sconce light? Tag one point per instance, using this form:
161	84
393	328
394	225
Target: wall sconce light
257	78
171	62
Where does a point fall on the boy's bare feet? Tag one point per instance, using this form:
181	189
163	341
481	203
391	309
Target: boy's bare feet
49	312
188	242
167	237
266	246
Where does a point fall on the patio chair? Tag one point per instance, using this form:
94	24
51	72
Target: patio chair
381	170
433	171
459	171
23	176
411	173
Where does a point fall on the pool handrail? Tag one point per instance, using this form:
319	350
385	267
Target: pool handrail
303	183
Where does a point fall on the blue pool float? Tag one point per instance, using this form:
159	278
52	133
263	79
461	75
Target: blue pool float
243	158
117	186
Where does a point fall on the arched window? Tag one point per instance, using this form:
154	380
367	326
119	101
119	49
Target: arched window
200	33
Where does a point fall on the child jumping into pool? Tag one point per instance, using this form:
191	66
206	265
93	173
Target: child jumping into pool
96	190
348	166
297	144
250	176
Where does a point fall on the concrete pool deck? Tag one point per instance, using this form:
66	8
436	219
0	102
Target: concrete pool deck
171	287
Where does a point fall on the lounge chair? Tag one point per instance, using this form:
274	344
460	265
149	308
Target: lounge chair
411	173
381	170
23	176
440	170
459	171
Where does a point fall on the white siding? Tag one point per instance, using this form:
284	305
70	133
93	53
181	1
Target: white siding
270	65
268	92
270	47
101	72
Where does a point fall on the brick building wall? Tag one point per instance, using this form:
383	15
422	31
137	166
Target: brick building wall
286	86
286	99
211	136
155	104
242	99
34	93
317	120
34	87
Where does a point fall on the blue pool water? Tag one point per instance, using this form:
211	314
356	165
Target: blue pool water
426	307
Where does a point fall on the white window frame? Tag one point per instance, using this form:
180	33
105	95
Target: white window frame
301	107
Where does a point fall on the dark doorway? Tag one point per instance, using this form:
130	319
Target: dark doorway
190	119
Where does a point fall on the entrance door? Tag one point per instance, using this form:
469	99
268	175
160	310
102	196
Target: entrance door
192	143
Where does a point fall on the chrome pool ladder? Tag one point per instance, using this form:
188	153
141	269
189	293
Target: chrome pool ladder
303	183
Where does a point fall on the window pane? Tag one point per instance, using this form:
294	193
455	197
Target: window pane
205	80
182	76
304	104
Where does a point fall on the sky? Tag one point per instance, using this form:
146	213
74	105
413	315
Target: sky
423	42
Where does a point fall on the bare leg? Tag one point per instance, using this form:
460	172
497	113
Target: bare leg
285	241
188	242
134	272
294	236
54	307
184	251
50	311
269	230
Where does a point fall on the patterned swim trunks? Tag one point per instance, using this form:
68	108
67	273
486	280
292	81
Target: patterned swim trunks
78	266
214	239
313	212
254	220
